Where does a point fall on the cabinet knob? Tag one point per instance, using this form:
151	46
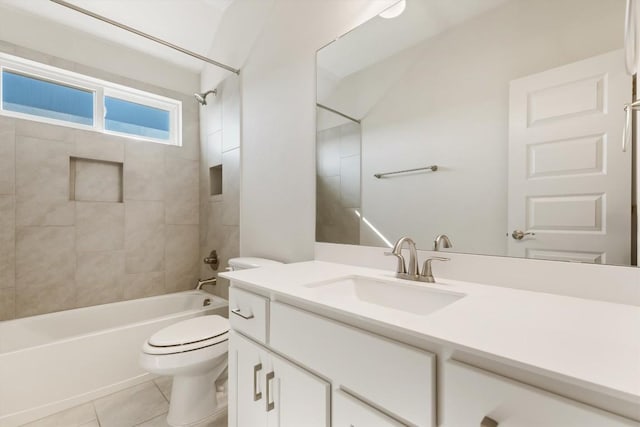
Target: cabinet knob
256	394
488	422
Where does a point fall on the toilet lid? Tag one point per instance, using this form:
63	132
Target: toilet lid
191	331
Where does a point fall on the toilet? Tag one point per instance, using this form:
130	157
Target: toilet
194	353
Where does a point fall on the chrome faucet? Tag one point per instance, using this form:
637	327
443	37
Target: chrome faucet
401	270
427	273
204	282
412	273
442	239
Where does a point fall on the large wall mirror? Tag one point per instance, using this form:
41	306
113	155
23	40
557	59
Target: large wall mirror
496	122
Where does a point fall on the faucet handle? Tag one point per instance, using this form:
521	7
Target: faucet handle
402	267
426	267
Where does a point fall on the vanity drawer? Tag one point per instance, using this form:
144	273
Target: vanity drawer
351	412
398	378
471	394
248	313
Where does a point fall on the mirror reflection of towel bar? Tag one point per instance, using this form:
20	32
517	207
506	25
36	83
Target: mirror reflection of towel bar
433	168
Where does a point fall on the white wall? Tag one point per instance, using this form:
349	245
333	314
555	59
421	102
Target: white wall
278	124
59	41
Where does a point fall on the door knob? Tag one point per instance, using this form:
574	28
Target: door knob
519	234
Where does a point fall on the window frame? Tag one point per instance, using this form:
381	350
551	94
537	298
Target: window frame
100	89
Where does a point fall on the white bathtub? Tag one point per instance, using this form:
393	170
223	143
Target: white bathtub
55	361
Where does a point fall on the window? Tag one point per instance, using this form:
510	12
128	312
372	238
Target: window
136	119
28	95
39	92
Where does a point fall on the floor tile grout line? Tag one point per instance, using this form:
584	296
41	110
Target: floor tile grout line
158	387
95	412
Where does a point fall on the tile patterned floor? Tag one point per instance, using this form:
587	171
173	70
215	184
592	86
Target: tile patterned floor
144	405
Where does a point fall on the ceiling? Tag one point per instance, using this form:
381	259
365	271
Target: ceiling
421	20
191	24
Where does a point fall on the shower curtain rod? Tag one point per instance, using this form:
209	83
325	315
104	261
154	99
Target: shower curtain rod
145	35
324	107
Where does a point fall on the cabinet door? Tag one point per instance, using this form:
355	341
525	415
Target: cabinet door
248	364
297	397
476	398
350	412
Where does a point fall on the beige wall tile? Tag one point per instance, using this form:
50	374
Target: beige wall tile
144	236
7	162
328	203
349	140
350	182
190	149
34	300
42	182
141	285
45	257
214	149
7	303
231	187
230	93
7	242
144	171
100	277
46	131
328	152
98	146
214	221
212	115
181	257
181	191
99	226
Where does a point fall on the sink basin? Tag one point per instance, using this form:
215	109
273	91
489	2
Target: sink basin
397	295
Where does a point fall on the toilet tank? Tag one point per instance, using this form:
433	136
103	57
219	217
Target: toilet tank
244	263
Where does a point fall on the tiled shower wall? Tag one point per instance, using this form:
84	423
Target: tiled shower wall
57	253
338	184
219	214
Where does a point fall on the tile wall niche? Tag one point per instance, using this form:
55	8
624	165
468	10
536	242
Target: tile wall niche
131	229
220	149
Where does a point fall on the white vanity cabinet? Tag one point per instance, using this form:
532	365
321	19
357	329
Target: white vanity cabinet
348	411
472	395
290	367
272	392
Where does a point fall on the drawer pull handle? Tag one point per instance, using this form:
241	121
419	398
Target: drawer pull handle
237	312
257	395
270	403
488	422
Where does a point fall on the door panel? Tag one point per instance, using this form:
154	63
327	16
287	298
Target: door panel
251	363
299	398
568	177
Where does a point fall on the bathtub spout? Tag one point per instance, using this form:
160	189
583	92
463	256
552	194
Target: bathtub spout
204	282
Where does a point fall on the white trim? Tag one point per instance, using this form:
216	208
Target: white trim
100	88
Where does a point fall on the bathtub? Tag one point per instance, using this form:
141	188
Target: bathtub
55	361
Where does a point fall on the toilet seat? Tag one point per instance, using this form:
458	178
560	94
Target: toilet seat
188	335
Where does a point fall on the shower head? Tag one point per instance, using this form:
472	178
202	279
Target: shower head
202	97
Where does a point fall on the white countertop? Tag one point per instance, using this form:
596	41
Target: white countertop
589	343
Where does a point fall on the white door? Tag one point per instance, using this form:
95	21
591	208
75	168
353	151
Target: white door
248	364
569	181
297	398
